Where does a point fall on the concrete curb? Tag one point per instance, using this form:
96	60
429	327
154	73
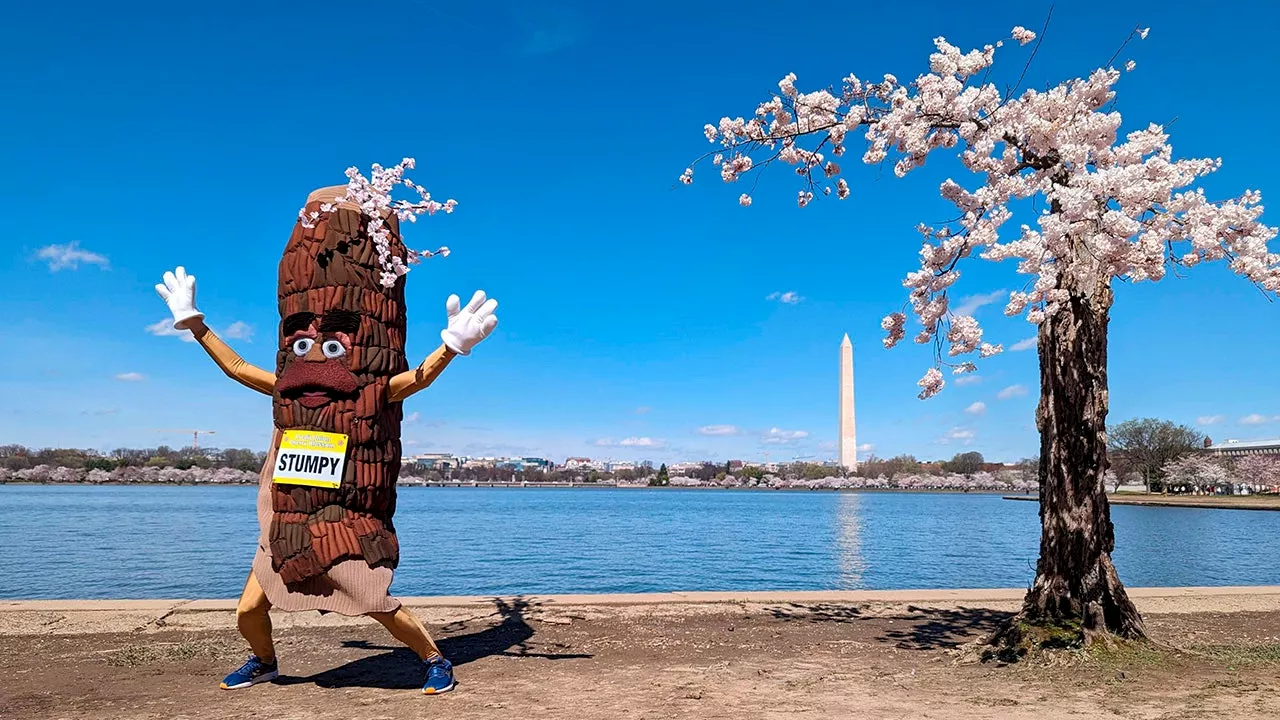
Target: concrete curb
164	608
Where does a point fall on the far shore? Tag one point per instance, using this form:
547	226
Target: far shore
557	486
1216	502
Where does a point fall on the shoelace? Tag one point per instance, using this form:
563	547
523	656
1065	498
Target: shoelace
251	666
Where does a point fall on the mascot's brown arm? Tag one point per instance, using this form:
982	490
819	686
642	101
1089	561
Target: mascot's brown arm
230	361
411	381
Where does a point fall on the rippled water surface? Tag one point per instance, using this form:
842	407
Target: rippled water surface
191	542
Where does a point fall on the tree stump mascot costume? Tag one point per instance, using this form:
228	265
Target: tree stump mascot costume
327	492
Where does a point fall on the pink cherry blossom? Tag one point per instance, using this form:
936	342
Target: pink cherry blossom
1116	205
744	200
931	384
373	196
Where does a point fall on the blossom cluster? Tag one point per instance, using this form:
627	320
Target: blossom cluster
1115	207
373	196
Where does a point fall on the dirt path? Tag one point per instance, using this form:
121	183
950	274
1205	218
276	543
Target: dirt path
519	659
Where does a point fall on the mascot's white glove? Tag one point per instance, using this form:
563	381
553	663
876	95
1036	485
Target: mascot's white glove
468	325
179	292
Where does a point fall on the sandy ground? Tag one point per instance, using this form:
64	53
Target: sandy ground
532	658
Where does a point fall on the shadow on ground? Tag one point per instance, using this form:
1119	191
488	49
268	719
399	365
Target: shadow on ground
816	612
400	669
919	629
935	629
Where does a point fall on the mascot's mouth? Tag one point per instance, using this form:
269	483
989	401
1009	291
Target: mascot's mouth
312	398
313	384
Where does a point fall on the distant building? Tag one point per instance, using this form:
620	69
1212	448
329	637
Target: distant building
524	463
683	467
1241	448
577	463
434	461
620	465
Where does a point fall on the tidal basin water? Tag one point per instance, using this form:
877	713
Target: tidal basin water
198	542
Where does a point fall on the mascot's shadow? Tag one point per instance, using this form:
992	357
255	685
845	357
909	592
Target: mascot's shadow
400	669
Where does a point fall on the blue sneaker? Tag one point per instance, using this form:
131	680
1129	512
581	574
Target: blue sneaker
439	676
251	673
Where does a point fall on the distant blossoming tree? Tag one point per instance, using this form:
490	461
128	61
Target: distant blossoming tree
1109	208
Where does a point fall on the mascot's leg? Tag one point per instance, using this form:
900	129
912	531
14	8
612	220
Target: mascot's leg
254	620
407	629
255	625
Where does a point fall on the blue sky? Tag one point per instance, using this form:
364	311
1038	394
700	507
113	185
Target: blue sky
634	314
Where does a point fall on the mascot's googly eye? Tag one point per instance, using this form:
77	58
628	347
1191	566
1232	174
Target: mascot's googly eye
302	346
333	349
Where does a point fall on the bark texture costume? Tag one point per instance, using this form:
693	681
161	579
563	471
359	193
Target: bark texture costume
340	370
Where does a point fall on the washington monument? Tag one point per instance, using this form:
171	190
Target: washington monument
848	425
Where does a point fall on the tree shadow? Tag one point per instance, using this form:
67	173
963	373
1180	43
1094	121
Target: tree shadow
939	629
400	669
816	612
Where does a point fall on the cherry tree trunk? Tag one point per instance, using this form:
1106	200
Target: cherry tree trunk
1076	585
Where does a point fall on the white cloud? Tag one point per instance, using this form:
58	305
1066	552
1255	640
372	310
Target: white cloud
790	297
631	442
776	436
866	447
239	330
165	328
1028	344
970	304
131	377
976	408
69	256
1256	419
965	435
643	410
1012	391
1209	419
968	380
719	430
412	417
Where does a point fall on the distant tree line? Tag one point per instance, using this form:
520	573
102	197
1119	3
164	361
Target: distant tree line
18	457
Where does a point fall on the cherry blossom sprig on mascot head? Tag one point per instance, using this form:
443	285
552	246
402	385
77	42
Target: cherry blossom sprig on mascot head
1114	208
373	196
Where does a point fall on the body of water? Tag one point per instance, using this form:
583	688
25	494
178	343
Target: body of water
198	542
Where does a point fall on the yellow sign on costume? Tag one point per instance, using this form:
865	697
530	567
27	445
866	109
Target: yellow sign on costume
308	457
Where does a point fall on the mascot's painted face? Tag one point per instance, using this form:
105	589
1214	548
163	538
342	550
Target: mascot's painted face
341	331
317	357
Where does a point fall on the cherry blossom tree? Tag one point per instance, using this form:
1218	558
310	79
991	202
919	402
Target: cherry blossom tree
373	195
1108	207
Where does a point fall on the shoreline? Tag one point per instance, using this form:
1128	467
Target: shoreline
972	596
556	486
1195	502
96	617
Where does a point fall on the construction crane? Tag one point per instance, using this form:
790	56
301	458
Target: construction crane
195	435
